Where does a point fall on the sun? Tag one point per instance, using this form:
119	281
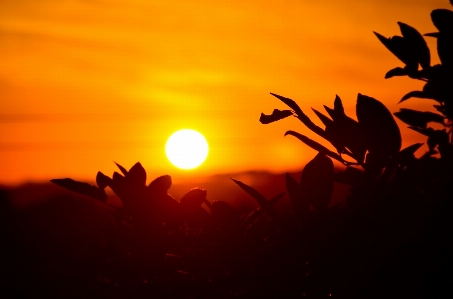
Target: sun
186	149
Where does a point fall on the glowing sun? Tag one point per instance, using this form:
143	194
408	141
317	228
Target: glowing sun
186	149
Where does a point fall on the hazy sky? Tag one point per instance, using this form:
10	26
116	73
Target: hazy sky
85	83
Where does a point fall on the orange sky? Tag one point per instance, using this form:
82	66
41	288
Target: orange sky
85	83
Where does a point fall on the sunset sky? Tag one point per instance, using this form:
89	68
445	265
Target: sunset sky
86	83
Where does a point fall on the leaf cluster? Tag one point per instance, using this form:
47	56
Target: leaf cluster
370	147
412	50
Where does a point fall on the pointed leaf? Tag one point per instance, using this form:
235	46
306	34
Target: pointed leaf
82	188
123	170
325	120
400	48
316	146
102	180
301	116
290	103
432	34
424	131
262	201
137	175
418	118
338	106
316	181
415	94
298	201
331	112
398	71
276	115
417	44
382	133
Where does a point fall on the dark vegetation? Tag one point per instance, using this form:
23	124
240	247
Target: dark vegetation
391	238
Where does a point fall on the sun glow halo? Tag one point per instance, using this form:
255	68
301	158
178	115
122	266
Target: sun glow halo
186	149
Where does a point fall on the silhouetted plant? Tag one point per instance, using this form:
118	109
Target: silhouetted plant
397	223
413	51
374	140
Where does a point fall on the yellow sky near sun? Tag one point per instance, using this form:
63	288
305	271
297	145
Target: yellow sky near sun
85	83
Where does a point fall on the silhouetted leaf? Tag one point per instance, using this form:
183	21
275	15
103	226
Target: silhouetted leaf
334	131
262	201
276	115
415	94
123	170
331	112
443	19
137	175
424	131
160	185
432	34
351	176
400	48
398	71
337	112
316	182
82	188
382	133
411	149
417	44
194	198
291	104
418	118
298	201
345	133
334	134
102	180
301	116
338	107
325	120
316	146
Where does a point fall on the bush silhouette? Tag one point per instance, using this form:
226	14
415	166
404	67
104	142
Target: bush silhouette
392	238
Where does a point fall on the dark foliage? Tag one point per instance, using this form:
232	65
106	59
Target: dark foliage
391	238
